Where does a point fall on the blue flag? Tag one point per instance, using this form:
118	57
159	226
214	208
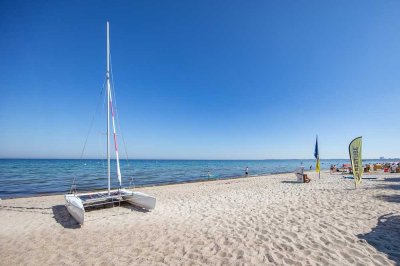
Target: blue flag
316	155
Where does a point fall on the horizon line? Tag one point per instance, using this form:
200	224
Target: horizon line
174	159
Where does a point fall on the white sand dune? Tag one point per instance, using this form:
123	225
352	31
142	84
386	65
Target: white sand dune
258	220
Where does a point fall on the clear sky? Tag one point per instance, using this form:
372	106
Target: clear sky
202	79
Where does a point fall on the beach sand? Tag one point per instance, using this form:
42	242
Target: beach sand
257	220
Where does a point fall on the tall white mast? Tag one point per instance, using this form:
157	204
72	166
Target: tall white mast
115	139
108	107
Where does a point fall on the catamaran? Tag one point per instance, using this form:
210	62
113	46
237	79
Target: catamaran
77	203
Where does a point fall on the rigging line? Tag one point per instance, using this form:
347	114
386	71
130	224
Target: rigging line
105	105
116	111
119	125
93	118
104	158
90	129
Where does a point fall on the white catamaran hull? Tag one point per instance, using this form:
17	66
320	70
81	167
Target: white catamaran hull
76	203
140	199
75	208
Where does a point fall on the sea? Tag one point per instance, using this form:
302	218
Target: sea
33	177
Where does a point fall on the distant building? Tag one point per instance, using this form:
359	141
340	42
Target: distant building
381	158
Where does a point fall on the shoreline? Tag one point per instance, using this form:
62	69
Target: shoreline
162	184
325	171
56	178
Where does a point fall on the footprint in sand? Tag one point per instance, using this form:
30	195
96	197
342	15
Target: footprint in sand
239	254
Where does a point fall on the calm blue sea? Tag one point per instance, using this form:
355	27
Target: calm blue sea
28	177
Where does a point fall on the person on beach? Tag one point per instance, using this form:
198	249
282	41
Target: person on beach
306	179
310	167
247	171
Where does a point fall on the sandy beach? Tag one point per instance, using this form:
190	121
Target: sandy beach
257	220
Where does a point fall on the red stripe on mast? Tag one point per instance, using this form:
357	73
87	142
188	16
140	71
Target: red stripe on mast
112	109
115	142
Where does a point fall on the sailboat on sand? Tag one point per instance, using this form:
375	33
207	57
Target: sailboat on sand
77	203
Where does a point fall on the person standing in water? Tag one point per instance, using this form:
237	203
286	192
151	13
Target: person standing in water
247	171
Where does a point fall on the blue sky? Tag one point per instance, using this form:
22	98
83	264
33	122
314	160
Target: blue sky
202	79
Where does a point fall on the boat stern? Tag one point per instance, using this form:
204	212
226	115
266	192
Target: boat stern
139	199
75	208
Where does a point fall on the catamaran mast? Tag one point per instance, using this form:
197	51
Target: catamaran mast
115	139
108	107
